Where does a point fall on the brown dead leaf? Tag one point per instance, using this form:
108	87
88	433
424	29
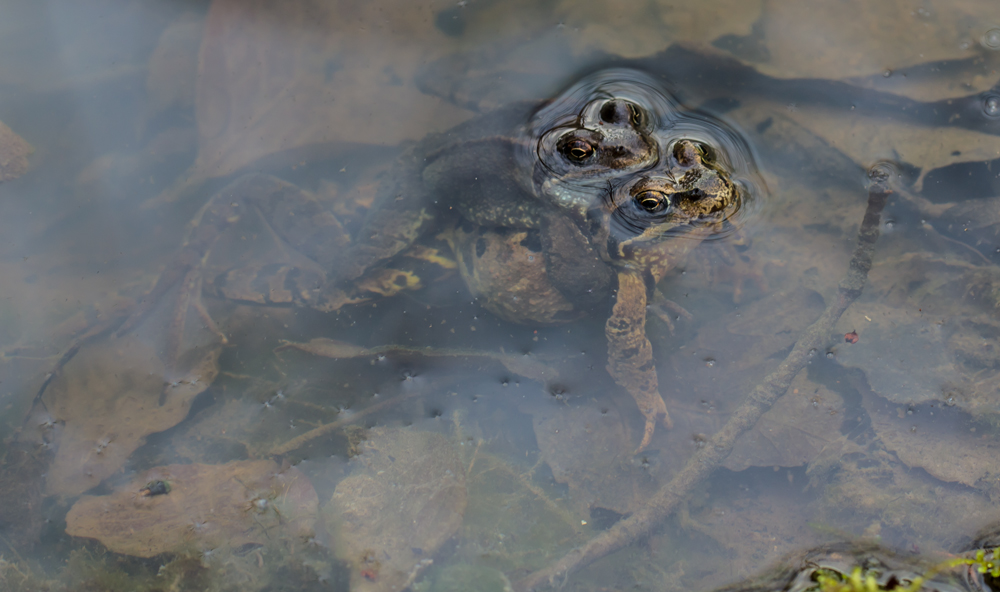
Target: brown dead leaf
588	449
652	26
406	497
274	77
14	151
937	440
928	148
108	398
855	37
926	333
758	331
208	506
792	432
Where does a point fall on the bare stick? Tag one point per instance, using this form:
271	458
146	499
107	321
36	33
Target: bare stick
703	462
303	439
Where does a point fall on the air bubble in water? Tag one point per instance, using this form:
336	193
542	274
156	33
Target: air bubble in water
991	106
991	39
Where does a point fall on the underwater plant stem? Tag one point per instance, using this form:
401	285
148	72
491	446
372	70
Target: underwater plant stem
704	461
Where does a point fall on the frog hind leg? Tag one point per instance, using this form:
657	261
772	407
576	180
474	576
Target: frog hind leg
630	354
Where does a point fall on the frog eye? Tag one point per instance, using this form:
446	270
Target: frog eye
577	150
706	152
636	115
652	201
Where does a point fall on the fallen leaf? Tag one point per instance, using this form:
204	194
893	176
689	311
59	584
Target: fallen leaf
937	439
14	151
405	498
108	398
588	448
652	26
208	506
855	37
794	431
278	77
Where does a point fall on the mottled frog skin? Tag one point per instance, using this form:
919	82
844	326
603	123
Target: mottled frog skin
589	195
625	243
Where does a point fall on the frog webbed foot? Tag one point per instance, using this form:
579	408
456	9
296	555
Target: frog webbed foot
630	354
667	310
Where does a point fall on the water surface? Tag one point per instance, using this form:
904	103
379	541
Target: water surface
139	112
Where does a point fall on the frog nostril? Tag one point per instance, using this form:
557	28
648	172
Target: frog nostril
617	112
685	153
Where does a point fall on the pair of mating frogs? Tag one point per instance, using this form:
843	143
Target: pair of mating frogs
550	210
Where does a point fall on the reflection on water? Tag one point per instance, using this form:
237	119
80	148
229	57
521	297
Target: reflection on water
170	390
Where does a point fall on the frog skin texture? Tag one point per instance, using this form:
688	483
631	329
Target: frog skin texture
599	192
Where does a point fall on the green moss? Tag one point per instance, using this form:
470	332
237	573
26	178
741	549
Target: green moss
864	580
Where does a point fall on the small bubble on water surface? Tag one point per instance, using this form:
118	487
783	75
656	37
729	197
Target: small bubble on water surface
829	354
812	352
709	362
887	74
991	106
890	224
991	39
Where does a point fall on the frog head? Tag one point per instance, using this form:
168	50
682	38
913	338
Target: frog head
686	198
599	129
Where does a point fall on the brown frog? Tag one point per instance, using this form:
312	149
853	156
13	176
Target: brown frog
593	178
626	242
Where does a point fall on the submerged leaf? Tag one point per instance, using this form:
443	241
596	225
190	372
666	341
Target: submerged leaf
794	431
109	397
937	440
404	500
14	151
279	77
586	447
207	506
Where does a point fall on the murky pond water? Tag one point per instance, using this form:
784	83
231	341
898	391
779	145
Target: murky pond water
334	295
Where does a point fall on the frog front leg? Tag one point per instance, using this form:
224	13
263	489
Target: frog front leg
630	354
